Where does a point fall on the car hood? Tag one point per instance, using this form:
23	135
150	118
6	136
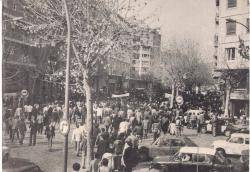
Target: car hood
219	142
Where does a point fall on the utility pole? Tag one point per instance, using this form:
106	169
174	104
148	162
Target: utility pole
65	115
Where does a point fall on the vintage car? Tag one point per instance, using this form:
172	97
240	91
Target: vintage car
164	145
11	164
233	145
192	159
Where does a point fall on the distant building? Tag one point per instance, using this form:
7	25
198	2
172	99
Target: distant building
23	58
147	47
230	17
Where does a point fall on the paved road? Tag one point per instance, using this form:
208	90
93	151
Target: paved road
40	155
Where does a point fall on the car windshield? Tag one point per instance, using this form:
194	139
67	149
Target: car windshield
238	140
163	141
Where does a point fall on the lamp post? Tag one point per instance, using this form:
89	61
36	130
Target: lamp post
235	21
243	50
65	115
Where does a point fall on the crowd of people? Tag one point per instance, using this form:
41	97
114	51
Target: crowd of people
119	127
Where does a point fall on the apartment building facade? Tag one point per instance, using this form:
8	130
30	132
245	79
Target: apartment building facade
147	47
232	25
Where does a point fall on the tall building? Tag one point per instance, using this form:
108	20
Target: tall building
232	24
23	58
147	47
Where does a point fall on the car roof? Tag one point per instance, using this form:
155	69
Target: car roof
198	150
244	135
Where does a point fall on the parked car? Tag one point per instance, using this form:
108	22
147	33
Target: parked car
233	145
192	159
230	129
11	164
164	145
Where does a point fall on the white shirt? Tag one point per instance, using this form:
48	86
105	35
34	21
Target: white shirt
123	127
99	112
76	135
29	108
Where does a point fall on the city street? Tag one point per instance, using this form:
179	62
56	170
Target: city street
46	160
132	83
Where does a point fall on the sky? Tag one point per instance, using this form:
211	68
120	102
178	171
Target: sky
181	19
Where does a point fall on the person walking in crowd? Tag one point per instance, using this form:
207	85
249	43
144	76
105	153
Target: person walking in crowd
76	139
40	122
33	131
104	166
21	126
50	133
145	126
94	164
14	128
129	157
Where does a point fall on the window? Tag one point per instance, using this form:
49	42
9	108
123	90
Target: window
176	142
136	56
231	3
238	140
231	28
217	3
163	142
247	141
230	53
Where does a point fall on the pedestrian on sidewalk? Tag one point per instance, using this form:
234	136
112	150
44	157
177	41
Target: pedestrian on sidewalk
145	126
40	119
14	128
21	126
104	166
77	138
50	133
33	131
94	164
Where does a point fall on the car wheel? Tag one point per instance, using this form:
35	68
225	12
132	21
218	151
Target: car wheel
221	151
227	133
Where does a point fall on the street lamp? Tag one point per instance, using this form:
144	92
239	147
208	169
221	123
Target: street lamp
243	50
235	21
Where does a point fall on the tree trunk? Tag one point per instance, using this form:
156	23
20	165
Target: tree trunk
89	122
228	92
172	97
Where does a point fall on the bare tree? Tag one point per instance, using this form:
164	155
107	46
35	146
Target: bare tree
183	67
96	33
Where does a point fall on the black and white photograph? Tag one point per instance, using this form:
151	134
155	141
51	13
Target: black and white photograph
125	85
